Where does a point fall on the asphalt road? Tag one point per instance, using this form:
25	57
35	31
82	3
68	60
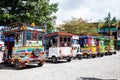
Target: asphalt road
102	68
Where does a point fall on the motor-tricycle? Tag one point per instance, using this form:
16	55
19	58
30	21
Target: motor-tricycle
23	45
76	47
100	46
88	46
109	46
58	46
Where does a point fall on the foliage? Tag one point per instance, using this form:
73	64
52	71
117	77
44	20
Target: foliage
108	22
79	27
27	11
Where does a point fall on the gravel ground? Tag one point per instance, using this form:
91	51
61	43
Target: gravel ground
103	68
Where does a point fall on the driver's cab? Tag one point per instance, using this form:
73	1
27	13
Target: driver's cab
76	47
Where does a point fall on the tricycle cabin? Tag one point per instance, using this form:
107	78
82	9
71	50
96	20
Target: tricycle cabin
58	46
58	39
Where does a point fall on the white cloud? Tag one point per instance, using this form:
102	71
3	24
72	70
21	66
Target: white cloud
87	9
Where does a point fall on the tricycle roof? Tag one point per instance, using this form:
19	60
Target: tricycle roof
59	33
9	30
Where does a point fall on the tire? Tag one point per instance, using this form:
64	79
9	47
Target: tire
17	64
93	56
69	59
110	53
101	55
115	52
106	53
79	57
36	52
54	59
85	55
40	64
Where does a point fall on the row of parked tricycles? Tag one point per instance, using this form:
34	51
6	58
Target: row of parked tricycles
92	46
24	45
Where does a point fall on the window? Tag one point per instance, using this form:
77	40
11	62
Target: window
60	38
39	36
34	36
28	35
69	39
74	41
93	42
65	39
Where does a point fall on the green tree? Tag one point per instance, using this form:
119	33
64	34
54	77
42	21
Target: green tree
108	22
27	11
79	27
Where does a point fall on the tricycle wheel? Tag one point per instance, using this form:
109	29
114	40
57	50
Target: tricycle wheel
85	55
101	55
54	59
40	64
114	52
106	53
93	56
17	64
79	57
69	59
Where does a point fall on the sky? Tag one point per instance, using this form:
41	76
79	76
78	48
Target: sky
90	10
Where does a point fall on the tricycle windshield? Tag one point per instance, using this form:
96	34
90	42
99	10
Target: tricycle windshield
102	43
74	41
92	42
28	36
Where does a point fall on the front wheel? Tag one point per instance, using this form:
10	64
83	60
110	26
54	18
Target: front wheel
17	64
79	57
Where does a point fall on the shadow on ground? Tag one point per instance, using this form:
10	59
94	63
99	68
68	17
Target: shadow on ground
11	67
92	78
58	62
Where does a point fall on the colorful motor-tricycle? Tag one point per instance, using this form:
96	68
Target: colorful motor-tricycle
100	46
88	46
23	45
109	45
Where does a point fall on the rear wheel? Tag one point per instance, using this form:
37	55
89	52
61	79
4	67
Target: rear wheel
54	59
36	52
106	53
114	52
85	55
69	59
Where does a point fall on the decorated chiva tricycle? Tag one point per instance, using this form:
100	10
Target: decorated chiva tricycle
109	45
58	46
88	46
23	45
101	46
